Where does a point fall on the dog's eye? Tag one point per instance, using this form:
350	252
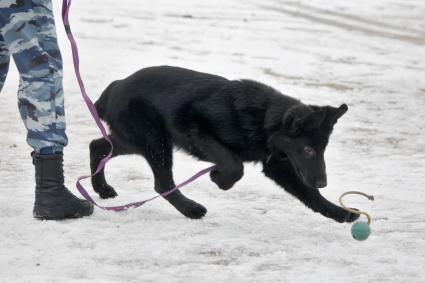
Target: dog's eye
309	151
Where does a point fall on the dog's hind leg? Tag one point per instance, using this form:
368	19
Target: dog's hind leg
282	173
99	149
145	131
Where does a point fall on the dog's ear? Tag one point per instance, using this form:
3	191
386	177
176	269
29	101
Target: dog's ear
294	122
333	113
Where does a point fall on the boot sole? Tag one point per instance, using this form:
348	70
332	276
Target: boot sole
48	216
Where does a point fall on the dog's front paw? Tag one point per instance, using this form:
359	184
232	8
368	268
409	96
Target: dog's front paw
342	215
192	209
339	214
105	191
351	217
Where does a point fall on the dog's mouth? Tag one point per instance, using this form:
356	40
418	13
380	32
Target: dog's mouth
300	174
303	179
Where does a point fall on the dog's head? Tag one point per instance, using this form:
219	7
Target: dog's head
302	138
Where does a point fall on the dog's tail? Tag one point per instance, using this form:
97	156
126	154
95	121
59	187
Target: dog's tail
102	102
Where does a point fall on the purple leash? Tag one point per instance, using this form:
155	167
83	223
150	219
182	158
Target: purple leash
65	18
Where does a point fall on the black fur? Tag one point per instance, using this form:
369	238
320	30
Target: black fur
221	121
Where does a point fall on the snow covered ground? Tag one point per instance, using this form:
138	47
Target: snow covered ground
368	54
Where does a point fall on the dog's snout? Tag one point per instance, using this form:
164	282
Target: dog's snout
321	183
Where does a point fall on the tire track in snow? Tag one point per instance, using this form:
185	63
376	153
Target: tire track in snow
362	25
356	19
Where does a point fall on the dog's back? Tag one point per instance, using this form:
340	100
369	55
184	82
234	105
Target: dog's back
162	87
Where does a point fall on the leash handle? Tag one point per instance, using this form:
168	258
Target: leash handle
75	58
370	197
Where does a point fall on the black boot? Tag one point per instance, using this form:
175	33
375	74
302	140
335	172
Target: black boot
52	199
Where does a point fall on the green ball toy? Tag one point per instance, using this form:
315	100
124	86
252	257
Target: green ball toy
360	230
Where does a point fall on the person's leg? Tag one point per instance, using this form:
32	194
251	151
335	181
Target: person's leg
4	55
30	35
4	62
32	42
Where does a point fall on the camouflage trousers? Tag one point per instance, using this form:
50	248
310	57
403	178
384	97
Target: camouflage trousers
28	34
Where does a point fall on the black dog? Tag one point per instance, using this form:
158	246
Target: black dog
221	121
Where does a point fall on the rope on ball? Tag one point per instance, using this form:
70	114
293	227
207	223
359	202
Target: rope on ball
360	230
